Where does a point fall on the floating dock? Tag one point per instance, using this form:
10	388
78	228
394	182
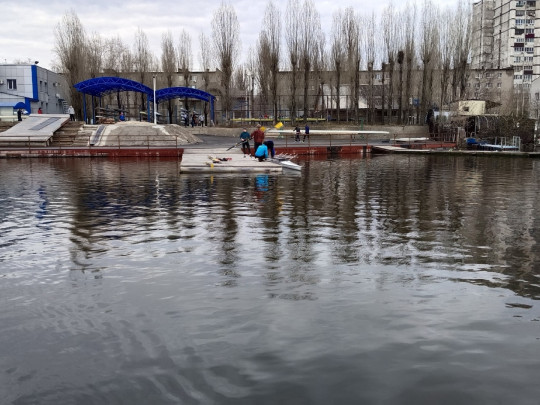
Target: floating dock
223	161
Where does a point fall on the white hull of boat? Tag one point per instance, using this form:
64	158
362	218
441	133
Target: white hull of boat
288	164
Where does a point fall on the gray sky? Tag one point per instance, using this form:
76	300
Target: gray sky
27	27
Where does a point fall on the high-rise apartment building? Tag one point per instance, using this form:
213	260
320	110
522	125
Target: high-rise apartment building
482	35
504	35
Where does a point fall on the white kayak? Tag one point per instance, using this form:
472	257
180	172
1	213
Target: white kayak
286	163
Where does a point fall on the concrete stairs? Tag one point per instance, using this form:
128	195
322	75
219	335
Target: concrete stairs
4	125
84	135
68	135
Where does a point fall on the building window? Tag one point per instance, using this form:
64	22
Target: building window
530	22
518	77
527	78
529	50
517	59
520	3
488	85
12	84
518	49
499	85
520	21
529	39
520	13
477	85
529	30
499	75
527	67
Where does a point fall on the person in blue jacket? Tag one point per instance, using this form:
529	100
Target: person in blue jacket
306	133
262	152
245	137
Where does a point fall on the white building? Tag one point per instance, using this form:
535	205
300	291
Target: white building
31	87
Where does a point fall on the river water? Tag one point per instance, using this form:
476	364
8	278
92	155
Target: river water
387	280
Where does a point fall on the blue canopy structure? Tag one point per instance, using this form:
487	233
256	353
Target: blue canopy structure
175	92
100	86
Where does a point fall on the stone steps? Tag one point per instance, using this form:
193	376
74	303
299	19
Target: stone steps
67	134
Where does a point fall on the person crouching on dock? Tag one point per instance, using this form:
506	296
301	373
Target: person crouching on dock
262	152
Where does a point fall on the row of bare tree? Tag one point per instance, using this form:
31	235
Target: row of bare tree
395	44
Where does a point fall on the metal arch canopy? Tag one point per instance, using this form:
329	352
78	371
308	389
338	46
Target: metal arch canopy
100	86
175	92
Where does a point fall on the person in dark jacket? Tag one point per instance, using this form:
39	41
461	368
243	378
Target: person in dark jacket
258	137
270	145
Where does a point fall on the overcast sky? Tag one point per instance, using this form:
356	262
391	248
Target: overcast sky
27	27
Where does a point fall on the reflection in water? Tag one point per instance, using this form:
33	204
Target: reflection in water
399	277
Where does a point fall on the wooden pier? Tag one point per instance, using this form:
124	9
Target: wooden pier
223	161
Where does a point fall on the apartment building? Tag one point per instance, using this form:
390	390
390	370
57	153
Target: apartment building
504	36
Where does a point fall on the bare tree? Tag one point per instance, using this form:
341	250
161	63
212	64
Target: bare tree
461	49
225	35
429	34
262	67
272	28
391	41
112	61
292	38
168	65
409	49
309	22
168	57
251	69
240	80
446	44
400	60
205	57
126	65
320	65
142	58
95	49
113	52
337	55
70	40
126	59
370	51
184	59
351	33
185	55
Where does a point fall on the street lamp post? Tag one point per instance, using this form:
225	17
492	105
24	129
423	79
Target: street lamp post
155	112
248	74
